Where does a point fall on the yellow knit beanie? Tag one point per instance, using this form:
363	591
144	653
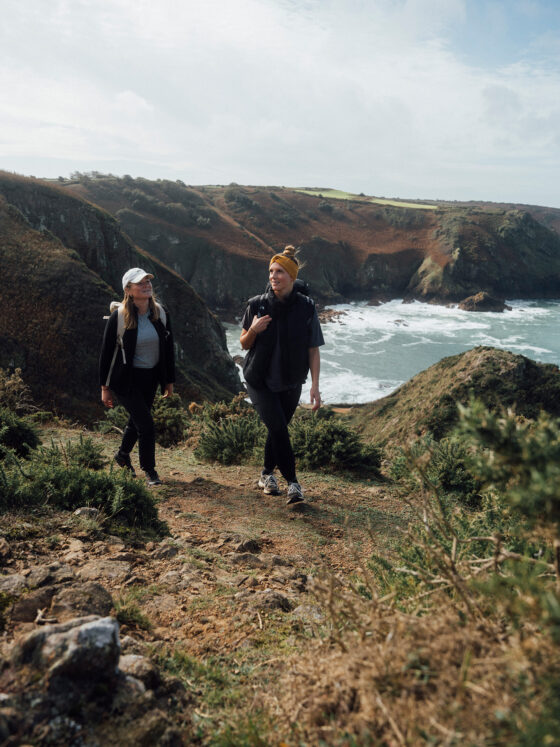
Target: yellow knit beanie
288	261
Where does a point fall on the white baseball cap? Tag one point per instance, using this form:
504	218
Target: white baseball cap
135	275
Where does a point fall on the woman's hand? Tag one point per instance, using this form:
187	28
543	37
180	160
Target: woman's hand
260	323
106	397
315	397
168	390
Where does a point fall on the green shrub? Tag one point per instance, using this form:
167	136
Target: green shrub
447	464
230	440
519	457
83	453
15	395
120	497
452	469
16	434
116	419
170	420
218	411
322	442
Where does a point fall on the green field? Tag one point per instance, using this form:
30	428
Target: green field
337	194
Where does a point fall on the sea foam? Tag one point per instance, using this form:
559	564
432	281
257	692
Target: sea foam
371	350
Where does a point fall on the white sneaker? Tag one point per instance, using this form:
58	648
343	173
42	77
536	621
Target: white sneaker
269	484
295	493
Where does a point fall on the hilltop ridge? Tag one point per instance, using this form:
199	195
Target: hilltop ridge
354	246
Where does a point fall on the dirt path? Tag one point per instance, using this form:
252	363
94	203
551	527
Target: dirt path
221	600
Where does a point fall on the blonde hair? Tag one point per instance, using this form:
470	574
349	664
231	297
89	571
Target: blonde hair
130	319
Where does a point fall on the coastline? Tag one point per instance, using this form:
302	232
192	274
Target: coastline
372	350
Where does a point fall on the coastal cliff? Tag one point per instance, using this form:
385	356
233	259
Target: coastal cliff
64	259
221	238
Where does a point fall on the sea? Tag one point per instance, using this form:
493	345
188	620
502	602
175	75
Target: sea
370	351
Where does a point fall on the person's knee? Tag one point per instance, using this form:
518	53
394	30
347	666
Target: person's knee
146	428
277	429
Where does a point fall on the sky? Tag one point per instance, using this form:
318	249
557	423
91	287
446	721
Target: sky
434	99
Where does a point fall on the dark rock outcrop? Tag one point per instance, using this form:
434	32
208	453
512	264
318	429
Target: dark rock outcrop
483	302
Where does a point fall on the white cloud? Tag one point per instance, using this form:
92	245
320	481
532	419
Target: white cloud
364	95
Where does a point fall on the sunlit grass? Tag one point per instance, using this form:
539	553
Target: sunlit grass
337	194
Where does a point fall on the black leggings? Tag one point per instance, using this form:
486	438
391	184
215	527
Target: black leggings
276	410
140	427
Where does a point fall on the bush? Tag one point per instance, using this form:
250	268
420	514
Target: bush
116	419
230	440
83	453
15	395
218	411
170	420
447	465
120	497
322	442
16	434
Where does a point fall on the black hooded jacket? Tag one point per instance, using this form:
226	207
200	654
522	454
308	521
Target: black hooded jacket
120	378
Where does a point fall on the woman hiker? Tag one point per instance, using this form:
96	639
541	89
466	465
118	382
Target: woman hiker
282	333
137	354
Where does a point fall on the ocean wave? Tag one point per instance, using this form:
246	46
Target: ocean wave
374	349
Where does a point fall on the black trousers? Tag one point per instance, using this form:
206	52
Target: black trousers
276	409
140	427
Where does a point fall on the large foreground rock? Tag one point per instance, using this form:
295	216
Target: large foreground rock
85	647
62	685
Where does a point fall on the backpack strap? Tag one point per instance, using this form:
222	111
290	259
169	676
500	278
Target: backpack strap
162	314
115	305
259	304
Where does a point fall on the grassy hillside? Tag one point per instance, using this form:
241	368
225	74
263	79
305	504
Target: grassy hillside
337	194
354	246
428	402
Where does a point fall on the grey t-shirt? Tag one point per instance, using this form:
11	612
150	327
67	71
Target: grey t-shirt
146	354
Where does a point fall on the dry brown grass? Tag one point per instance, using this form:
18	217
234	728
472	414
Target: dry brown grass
387	677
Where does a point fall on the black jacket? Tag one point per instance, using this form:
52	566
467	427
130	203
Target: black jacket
121	373
291	324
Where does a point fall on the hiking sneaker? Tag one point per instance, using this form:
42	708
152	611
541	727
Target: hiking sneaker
295	493
152	477
269	484
123	460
